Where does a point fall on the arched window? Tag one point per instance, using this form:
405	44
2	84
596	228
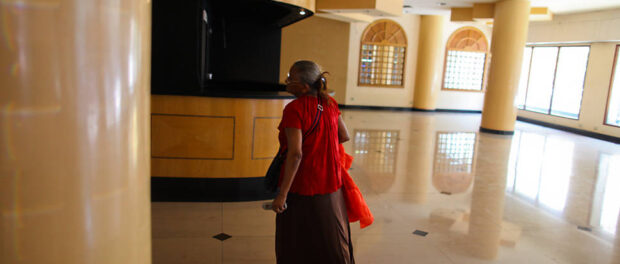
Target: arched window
382	54
466	56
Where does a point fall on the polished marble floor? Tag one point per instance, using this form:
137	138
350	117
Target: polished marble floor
540	196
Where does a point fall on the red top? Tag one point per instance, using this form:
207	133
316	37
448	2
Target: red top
319	170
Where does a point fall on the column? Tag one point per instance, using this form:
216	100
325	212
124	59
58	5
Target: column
430	62
509	35
74	127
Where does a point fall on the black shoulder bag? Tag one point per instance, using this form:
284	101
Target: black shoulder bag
273	173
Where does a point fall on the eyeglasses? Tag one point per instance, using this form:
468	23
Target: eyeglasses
289	81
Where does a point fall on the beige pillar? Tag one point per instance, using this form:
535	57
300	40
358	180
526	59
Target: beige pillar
430	62
74	132
487	202
509	36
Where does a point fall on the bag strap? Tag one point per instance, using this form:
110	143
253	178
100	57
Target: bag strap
315	123
317	117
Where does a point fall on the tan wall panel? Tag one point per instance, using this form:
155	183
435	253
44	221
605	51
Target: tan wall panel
484	11
345	4
390	7
192	137
244	111
265	143
308	4
324	41
460	14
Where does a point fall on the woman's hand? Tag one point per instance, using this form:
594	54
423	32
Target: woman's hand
279	204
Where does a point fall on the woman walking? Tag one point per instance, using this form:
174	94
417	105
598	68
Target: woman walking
312	225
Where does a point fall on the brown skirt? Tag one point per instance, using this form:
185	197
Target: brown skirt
314	229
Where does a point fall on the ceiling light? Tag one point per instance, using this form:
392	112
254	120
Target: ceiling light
302	12
442	4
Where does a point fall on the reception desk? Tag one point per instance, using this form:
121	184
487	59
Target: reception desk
213	148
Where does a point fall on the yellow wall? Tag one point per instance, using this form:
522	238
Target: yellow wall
323	41
335	46
373	96
309	4
590	26
593	26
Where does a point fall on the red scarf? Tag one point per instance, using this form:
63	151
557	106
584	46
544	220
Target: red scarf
357	209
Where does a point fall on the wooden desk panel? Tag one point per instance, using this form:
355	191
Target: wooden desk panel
199	147
262	143
192	137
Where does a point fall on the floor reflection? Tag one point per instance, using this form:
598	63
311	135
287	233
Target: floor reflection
376	150
453	166
540	169
606	204
490	192
541	173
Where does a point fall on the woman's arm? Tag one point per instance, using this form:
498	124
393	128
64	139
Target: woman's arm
343	133
291	164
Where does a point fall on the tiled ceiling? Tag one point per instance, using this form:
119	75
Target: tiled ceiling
556	6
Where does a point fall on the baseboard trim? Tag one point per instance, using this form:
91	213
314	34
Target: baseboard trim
172	189
410	109
423	110
524	119
497	132
459	111
571	130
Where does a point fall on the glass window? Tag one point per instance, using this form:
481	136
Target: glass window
382	55
466	56
569	79
464	70
455	152
613	105
540	85
553	79
382	65
525	71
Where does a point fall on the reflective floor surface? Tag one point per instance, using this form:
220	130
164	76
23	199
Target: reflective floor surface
539	196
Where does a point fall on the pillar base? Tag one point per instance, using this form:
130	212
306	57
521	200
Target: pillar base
423	110
498	132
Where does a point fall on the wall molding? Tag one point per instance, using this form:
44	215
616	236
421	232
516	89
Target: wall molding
571	130
411	109
582	132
